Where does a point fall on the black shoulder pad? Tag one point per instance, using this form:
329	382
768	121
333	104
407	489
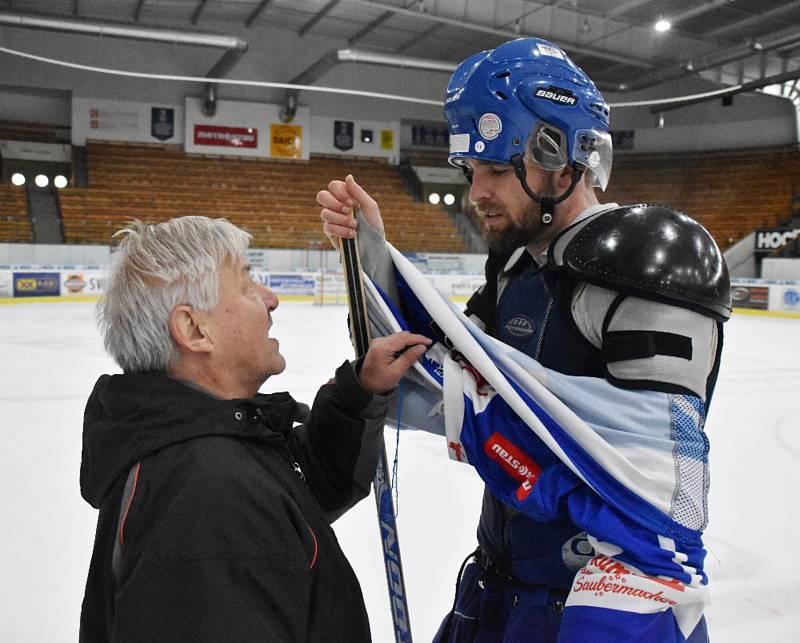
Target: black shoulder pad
651	251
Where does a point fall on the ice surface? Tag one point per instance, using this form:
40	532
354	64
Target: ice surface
50	356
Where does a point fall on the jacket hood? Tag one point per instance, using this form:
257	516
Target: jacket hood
131	416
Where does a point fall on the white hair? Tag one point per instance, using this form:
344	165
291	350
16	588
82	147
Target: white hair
157	267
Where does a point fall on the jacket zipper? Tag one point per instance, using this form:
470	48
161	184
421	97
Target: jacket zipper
287	451
295	465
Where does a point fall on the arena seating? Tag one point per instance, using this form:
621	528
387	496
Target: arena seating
23	131
273	200
15	225
730	192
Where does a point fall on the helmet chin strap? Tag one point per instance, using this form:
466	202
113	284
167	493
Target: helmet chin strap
547	203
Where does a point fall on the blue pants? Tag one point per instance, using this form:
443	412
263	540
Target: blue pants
488	610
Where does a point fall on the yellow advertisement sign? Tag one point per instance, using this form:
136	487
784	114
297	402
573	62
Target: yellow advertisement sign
286	141
387	139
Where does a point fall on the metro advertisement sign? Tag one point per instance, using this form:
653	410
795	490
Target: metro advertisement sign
221	136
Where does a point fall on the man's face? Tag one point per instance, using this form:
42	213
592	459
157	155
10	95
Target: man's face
510	217
240	325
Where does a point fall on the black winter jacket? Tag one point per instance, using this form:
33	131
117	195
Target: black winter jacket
218	536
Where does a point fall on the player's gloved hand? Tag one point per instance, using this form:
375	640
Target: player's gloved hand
388	358
337	204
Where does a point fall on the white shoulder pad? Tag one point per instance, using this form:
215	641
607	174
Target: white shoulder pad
647	344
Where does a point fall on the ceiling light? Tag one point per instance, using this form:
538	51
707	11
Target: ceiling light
662	25
41	181
60	181
434	198
449	199
18	178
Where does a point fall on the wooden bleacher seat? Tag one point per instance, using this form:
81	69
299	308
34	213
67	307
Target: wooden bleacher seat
25	131
729	192
15	225
274	200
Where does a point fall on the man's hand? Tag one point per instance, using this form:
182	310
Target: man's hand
388	359
337	203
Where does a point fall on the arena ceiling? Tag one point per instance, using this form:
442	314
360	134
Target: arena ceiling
726	41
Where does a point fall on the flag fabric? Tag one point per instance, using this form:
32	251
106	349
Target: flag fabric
628	467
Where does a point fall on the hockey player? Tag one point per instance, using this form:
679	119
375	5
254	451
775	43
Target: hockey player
634	296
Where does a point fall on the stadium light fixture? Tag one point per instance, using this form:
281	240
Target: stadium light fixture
449	199
662	25
434	198
41	181
18	178
60	181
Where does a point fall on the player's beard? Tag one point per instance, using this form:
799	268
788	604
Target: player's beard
521	233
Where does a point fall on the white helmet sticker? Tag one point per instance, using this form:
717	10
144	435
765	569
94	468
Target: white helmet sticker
548	50
490	126
459	143
479	146
594	159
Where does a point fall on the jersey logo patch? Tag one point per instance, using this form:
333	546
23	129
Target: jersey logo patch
514	462
520	326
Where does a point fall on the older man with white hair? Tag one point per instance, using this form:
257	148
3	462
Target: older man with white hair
216	501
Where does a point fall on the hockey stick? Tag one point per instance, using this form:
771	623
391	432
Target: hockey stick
359	334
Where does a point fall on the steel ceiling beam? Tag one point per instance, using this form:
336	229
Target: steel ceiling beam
625	7
235	47
386	15
196	15
418	38
696	11
317	17
327	62
503	33
746	23
333	58
785	38
370	27
555	4
744	87
256	12
138	12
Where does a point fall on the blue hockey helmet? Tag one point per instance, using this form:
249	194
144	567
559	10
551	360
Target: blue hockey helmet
527	98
